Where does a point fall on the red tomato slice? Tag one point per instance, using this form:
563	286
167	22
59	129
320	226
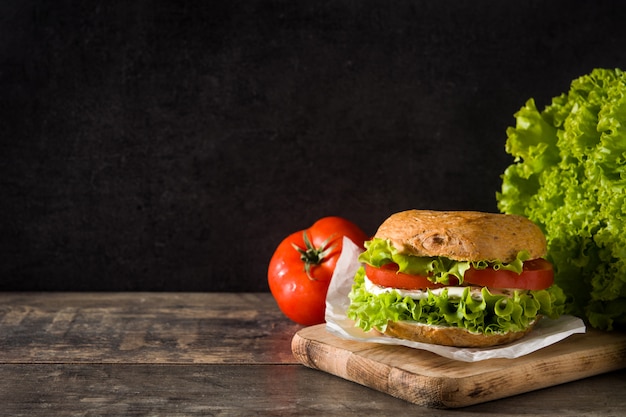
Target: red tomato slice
388	276
537	274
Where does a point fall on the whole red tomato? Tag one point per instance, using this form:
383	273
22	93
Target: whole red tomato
300	270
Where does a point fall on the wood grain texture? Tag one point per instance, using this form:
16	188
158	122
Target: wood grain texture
143	328
427	379
67	390
177	354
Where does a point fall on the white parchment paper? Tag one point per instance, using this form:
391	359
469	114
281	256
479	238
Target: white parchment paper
545	333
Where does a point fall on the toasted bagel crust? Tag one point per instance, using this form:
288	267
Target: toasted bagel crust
463	235
450	336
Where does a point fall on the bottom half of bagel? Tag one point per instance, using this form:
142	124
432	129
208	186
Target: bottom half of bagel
451	336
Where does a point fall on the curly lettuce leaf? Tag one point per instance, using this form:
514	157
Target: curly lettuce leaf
491	313
379	252
569	177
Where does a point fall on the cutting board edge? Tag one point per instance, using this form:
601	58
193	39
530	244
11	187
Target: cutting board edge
307	351
439	392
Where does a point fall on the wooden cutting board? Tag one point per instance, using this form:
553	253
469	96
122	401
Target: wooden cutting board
428	379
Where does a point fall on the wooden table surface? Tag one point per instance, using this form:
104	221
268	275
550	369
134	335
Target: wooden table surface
198	354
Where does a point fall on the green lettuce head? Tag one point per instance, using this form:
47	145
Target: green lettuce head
569	177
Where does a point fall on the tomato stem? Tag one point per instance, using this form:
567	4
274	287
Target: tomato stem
312	256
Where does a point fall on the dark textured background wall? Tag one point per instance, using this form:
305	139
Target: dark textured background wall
162	145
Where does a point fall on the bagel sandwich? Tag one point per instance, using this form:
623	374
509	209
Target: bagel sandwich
455	278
